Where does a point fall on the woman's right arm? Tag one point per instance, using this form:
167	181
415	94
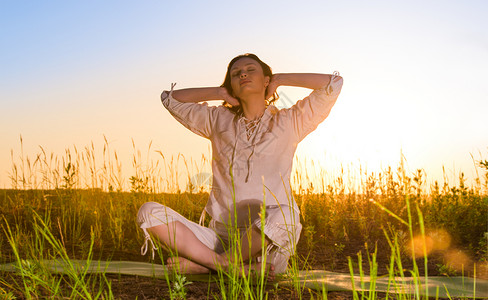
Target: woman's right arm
198	117
194	95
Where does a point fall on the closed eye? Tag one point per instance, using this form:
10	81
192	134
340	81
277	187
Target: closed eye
250	67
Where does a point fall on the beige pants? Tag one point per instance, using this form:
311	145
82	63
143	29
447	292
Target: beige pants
282	227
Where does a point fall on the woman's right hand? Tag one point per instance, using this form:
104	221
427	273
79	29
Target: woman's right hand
227	97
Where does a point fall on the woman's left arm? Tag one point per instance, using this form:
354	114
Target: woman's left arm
306	80
308	113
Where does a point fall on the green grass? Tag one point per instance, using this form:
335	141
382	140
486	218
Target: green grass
76	207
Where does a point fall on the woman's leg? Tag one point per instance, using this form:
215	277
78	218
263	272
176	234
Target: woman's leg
251	243
251	247
161	221
195	245
179	238
282	227
193	257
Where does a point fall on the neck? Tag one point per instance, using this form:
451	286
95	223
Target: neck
253	107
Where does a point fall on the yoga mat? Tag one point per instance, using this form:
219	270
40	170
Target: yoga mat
313	279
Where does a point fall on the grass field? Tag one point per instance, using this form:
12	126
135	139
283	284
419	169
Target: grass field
79	206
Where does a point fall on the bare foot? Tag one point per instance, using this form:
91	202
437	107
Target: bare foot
256	269
185	266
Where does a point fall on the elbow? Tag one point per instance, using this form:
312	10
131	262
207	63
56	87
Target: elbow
335	85
340	82
164	95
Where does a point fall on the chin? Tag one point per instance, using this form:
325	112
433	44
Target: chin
250	92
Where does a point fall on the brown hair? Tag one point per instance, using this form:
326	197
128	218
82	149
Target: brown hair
227	81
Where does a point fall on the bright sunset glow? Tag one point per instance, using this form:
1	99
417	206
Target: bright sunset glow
414	77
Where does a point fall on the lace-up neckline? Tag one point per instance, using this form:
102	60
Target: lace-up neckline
251	125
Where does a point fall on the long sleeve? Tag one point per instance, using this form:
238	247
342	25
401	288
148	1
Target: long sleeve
308	113
198	117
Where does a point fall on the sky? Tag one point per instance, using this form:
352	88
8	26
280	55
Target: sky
74	72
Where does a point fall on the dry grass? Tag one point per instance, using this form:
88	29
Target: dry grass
83	194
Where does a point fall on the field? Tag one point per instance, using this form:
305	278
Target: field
392	223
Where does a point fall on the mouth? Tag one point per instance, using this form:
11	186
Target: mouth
244	82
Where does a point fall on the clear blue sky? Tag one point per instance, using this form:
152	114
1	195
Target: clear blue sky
414	74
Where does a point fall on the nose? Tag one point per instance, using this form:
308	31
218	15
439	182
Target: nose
243	75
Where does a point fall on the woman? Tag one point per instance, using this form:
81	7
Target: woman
253	144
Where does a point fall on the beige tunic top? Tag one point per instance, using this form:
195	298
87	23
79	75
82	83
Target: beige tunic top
250	167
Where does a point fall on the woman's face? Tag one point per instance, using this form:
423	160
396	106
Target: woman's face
247	78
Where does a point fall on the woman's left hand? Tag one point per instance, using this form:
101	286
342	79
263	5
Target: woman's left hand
273	85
